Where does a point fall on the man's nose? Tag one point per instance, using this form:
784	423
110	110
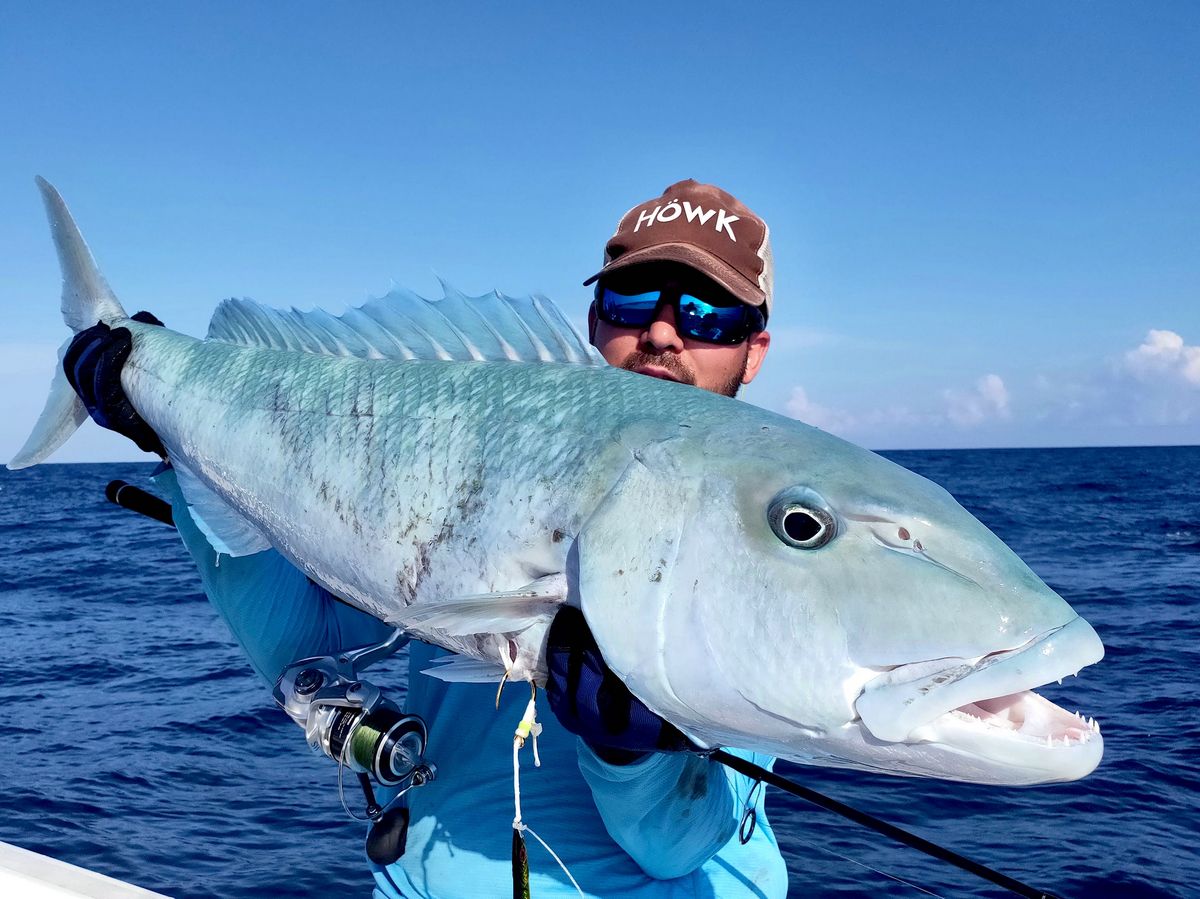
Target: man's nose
661	333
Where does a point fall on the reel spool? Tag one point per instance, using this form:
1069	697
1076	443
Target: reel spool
350	721
385	744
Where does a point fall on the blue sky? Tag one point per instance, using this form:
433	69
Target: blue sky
985	216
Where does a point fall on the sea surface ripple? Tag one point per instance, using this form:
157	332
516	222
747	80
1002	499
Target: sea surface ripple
135	740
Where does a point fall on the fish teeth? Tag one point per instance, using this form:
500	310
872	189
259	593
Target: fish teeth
1060	681
1049	742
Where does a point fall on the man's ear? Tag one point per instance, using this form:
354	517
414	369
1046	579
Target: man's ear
758	345
592	323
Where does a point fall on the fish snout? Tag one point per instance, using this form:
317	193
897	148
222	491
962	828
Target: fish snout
996	689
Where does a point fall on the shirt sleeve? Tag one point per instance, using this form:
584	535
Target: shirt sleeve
670	811
276	613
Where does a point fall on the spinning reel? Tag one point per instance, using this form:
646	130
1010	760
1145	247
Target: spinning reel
349	720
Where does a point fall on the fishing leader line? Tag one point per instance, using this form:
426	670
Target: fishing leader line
879	825
865	866
527	729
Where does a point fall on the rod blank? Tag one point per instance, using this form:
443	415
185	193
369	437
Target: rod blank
137	500
880	826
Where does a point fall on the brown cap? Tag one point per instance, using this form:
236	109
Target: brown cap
701	226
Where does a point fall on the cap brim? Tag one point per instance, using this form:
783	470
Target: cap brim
693	257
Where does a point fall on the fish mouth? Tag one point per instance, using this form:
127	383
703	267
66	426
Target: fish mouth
987	707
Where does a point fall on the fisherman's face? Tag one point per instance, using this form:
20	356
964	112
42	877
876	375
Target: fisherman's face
658	350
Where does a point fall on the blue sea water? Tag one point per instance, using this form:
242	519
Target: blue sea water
135	740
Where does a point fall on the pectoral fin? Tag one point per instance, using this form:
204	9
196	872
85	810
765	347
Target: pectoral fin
504	612
227	530
463	670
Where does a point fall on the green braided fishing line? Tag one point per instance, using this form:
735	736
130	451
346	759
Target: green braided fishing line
363	743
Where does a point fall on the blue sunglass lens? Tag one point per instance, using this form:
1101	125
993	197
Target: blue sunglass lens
697	318
629	310
714	324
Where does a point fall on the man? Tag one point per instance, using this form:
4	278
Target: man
712	258
684	295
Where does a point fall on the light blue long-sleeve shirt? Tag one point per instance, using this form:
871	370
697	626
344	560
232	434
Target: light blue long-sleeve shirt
664	826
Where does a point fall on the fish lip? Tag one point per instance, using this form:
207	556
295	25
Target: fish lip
897	703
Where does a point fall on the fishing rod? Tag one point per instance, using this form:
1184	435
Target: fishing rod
137	500
878	825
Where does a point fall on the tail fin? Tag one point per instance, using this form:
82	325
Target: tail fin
86	300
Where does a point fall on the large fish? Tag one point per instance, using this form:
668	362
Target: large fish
462	467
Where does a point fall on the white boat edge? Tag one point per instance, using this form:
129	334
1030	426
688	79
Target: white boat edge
29	875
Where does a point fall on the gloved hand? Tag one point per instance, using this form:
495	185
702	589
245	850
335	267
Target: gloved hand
590	700
93	364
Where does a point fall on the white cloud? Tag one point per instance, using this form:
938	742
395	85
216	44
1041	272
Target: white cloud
1163	354
987	400
846	423
1147	392
800	407
1152	386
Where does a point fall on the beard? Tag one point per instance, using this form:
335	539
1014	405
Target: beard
682	372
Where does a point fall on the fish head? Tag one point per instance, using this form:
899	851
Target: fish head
778	589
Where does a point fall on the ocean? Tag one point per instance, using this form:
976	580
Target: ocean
135	740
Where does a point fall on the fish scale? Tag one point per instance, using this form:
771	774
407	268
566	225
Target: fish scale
472	496
462	467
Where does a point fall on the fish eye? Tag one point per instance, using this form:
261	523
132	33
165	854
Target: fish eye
800	524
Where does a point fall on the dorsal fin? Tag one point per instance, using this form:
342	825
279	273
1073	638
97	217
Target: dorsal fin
403	325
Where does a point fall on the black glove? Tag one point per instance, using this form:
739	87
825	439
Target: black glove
93	364
590	700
